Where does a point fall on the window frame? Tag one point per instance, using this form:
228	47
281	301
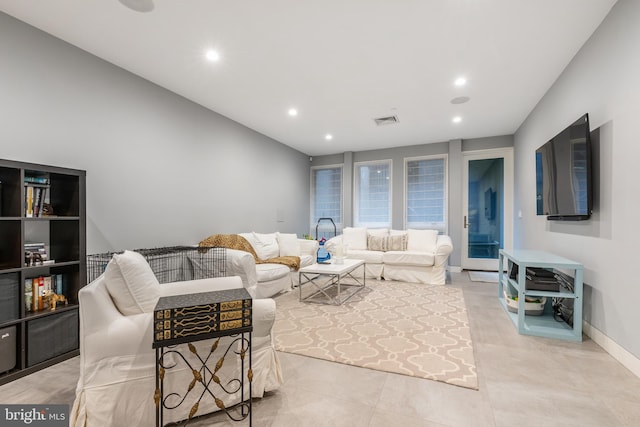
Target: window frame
444	228
356	194
312	199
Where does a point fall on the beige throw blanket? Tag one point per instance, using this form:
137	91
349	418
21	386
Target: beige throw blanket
235	241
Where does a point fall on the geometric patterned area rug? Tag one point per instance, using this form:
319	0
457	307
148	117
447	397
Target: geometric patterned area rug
405	328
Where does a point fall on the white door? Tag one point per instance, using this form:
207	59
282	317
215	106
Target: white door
487	207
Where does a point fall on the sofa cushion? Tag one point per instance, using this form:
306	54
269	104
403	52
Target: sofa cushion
373	257
288	244
423	259
131	283
268	272
265	245
422	240
356	238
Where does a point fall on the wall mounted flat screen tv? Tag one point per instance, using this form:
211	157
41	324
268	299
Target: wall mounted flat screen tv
563	174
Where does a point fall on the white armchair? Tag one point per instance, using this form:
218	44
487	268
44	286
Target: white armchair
117	361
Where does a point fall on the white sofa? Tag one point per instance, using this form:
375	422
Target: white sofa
266	280
418	256
117	361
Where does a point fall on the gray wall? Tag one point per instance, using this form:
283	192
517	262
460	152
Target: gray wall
453	149
602	80
161	170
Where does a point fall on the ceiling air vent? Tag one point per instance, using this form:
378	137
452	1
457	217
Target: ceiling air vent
380	121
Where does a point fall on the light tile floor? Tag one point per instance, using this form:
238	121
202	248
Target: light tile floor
524	381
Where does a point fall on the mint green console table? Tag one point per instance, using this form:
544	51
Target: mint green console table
544	325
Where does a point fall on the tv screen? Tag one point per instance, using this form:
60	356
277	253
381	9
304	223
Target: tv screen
563	174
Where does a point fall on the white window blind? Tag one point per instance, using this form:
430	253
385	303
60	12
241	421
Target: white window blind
426	189
373	194
326	195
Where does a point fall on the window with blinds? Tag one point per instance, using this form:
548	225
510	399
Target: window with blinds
373	194
326	194
426	193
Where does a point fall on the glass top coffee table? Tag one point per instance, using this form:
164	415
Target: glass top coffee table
327	280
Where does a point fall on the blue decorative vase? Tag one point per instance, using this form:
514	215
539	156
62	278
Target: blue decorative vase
323	254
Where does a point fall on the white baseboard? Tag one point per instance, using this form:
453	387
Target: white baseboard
454	269
627	359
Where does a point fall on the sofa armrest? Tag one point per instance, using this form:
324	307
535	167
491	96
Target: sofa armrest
332	242
444	247
308	247
242	264
200	285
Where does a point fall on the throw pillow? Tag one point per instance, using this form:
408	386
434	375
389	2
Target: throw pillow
355	238
288	244
397	242
377	243
422	240
266	245
131	283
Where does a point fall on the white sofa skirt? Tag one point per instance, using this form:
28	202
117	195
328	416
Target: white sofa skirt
373	261
416	274
272	279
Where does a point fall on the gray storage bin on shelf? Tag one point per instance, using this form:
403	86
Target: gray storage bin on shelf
9	297
51	336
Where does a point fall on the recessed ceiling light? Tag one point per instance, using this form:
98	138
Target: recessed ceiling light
460	81
328	137
293	112
456	119
212	55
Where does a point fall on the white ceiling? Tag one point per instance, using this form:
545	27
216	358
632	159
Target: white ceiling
341	63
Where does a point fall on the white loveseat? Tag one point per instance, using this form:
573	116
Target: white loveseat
418	256
117	361
266	280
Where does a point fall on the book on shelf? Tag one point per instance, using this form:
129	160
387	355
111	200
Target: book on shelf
36	180
28	295
34	293
40	293
56	284
35	246
29	202
39	200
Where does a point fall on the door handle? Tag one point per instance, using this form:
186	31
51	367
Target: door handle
466	224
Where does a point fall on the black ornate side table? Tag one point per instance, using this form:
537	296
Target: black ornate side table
185	319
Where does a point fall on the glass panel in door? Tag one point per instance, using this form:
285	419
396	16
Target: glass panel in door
485	222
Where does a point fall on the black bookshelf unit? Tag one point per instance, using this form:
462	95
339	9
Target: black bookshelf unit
42	214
